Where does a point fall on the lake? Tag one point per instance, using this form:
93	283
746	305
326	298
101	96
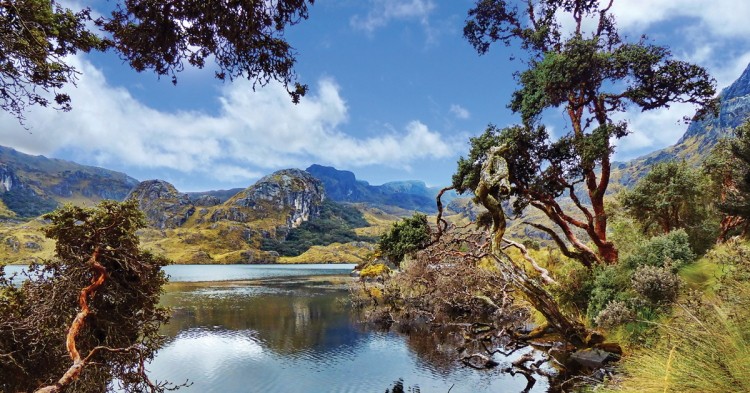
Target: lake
289	329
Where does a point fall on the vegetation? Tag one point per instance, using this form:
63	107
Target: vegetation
705	347
591	75
26	203
672	196
90	316
404	237
335	224
244	39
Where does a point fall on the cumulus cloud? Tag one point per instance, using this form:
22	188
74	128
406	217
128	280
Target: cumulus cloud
253	132
726	18
383	11
460	112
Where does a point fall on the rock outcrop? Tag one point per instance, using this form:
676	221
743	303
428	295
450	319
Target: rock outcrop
163	205
291	195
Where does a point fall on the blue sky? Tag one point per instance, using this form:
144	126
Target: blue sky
395	94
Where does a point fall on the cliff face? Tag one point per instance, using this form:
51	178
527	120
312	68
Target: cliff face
163	206
291	195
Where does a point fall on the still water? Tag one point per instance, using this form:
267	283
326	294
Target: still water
289	329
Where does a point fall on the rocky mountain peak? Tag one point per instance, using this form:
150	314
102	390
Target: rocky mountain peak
734	109
290	194
740	87
163	205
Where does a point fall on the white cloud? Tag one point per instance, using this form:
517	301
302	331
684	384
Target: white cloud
727	18
383	11
252	133
460	112
652	129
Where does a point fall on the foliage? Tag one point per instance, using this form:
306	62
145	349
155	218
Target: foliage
404	237
616	313
373	271
335	224
35	38
736	171
244	39
705	347
658	285
592	75
671	196
672	248
611	283
121	331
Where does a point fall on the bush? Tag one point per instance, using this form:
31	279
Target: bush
674	246
658	285
616	313
404	237
610	283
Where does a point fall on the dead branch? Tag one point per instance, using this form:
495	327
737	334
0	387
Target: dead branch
543	273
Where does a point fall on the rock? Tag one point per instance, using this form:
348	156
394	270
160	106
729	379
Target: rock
207	200
163	205
593	358
291	195
32	246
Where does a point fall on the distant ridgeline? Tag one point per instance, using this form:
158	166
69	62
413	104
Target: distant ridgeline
700	137
343	186
33	185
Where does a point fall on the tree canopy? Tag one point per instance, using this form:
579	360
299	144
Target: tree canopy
591	75
243	39
404	237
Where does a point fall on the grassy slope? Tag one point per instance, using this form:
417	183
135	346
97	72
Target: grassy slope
704	346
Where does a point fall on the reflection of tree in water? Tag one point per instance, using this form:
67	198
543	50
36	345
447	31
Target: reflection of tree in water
398	387
285	323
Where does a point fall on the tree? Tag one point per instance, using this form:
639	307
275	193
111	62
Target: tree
726	172
404	237
244	39
671	196
90	316
591	76
735	201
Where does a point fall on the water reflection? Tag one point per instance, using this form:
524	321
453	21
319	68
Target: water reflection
298	335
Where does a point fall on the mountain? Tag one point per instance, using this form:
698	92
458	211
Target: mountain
33	185
343	186
700	137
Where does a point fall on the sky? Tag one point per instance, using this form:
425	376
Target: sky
395	94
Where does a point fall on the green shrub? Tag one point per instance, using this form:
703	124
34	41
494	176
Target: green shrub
404	237
674	246
610	283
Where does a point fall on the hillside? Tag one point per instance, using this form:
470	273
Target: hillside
33	185
700	137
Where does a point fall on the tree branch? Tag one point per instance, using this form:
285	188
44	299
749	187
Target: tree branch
543	273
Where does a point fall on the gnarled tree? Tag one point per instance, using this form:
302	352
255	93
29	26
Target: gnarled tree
590	74
90	316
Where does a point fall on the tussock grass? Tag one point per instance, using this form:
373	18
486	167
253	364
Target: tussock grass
705	346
